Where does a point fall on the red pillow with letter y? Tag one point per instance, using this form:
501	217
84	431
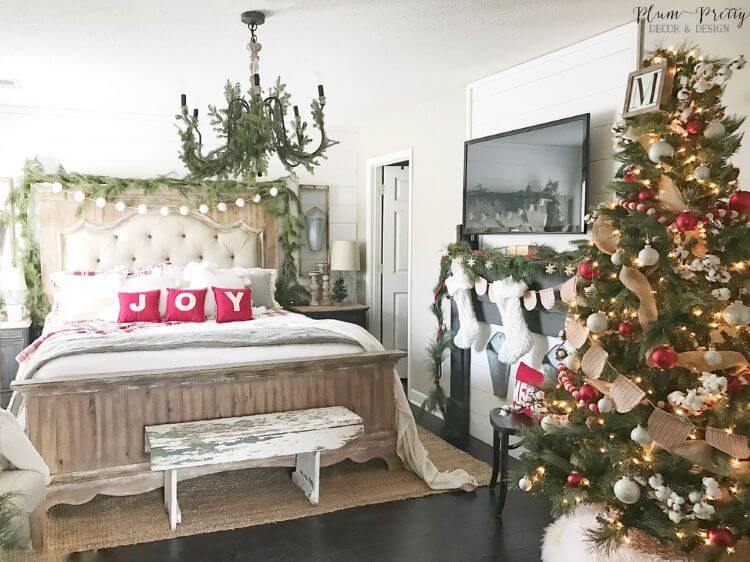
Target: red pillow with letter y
233	305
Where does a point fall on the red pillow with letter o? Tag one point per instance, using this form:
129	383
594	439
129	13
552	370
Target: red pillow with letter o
233	305
186	305
139	307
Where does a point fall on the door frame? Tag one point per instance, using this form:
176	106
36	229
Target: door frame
373	239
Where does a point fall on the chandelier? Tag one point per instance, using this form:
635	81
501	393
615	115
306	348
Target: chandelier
252	127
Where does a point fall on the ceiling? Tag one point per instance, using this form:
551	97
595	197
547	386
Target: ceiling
137	56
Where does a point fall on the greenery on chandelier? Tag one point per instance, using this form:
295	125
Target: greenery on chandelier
680	227
490	264
278	199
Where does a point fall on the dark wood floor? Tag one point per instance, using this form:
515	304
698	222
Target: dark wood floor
446	527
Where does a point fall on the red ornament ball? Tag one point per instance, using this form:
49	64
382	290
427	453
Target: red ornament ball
625	329
588	270
664	357
695	126
734	385
629	177
740	201
686	221
574	480
645	195
587	393
722	537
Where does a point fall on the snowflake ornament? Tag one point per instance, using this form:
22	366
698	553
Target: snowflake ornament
489	264
550	269
569	270
471	262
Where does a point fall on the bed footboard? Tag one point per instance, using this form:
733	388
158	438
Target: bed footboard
90	430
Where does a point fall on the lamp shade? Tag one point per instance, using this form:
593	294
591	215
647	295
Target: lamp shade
12	279
344	255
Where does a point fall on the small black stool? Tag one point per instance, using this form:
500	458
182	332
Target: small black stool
503	427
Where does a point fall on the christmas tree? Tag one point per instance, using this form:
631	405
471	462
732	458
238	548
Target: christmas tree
339	291
651	415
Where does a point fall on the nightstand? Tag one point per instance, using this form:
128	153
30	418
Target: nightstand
14	337
353	313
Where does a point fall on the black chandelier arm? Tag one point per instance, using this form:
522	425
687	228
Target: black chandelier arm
230	122
287	153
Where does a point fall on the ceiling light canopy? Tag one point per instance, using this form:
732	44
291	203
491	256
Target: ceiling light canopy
254	127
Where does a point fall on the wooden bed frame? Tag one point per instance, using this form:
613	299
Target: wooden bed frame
90	429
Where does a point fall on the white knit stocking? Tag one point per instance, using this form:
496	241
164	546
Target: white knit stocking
459	287
507	294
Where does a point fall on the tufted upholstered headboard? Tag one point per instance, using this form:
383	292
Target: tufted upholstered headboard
103	238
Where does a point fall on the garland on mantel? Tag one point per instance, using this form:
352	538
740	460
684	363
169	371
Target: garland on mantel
278	199
491	264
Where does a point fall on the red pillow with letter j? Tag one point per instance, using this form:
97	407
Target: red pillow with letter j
139	307
233	305
186	305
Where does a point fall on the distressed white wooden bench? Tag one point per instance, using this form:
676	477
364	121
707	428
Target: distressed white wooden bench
304	433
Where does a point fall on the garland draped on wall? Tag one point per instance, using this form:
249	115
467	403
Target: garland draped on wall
491	264
278	199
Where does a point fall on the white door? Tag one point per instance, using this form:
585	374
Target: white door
394	309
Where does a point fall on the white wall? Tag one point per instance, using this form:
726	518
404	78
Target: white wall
435	130
145	145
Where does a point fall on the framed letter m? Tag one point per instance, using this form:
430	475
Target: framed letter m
648	89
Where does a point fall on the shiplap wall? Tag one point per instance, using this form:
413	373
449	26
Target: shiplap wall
146	145
587	77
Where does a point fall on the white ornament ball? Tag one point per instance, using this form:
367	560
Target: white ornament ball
572	361
702	172
712	357
164	211
549	423
221	206
618	258
273	192
605	405
736	314
56	187
524	484
184	210
659	150
79	196
597	322
627	491
641	435
120	207
100	202
648	256
240	202
142	209
203	208
714	129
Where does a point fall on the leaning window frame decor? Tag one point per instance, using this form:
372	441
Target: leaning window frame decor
585	118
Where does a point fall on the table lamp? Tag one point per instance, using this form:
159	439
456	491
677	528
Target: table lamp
13	287
344	257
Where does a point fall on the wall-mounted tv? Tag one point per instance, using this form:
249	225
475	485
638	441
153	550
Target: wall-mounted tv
530	180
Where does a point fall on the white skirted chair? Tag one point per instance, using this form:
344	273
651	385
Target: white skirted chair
22	470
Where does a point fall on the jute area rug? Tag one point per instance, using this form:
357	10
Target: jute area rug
233	500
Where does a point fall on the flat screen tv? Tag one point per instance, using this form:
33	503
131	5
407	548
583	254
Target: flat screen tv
530	180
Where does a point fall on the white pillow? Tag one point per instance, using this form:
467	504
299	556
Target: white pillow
162	279
86	297
263	283
204	275
17	449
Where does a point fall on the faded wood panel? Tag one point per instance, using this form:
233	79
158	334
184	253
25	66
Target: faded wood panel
103	426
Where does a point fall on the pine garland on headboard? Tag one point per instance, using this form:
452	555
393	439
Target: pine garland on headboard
279	201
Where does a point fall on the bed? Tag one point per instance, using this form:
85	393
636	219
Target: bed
85	412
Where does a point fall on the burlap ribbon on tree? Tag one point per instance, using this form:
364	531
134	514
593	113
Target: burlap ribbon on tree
604	235
695	360
638	284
